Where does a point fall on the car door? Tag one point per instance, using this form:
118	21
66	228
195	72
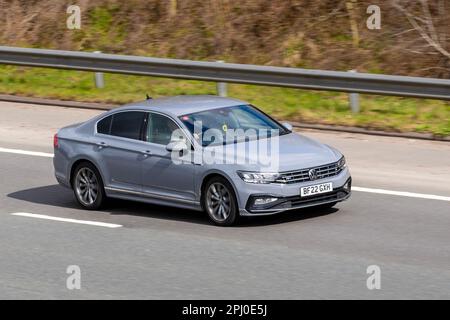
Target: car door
120	150
162	176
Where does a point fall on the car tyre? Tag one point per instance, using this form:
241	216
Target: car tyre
219	202
88	186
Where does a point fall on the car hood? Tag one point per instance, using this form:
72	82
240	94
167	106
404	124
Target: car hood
294	152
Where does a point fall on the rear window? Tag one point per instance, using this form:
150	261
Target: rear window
104	125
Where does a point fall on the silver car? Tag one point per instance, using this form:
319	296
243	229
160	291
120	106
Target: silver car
219	155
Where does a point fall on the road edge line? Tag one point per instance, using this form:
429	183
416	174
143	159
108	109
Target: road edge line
86	222
28	153
401	193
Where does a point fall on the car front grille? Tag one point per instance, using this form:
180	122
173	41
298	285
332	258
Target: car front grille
302	175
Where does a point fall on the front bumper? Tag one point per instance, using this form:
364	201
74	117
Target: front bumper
296	202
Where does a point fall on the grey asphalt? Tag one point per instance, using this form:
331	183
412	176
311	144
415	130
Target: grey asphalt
167	253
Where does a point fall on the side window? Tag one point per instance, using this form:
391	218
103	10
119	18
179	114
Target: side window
160	129
128	124
104	125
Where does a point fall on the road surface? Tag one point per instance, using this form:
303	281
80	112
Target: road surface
154	252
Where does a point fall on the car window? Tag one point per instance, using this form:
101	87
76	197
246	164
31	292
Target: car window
128	124
104	125
160	129
248	120
221	120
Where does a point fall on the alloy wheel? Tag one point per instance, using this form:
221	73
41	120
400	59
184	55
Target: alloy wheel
218	201
87	186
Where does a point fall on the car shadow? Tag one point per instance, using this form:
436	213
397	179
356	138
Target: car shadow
58	196
285	217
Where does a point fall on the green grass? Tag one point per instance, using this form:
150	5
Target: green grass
377	112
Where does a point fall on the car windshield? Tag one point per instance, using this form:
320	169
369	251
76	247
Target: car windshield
231	125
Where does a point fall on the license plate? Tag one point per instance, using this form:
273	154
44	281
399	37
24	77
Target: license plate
316	189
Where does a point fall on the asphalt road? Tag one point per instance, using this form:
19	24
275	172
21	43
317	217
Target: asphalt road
166	253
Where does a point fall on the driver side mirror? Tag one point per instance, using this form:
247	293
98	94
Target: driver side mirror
287	125
177	146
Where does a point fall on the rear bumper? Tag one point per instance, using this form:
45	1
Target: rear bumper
61	166
62	180
296	202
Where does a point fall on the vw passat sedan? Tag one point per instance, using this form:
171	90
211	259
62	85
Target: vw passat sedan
220	155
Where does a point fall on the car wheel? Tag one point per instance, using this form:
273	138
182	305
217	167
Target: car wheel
219	201
87	185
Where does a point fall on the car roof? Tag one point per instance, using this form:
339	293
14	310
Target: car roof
184	104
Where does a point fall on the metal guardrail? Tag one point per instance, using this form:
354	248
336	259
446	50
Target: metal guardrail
230	72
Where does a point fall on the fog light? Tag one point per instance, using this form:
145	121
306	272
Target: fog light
263	201
347	186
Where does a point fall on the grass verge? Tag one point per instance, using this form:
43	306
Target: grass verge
377	112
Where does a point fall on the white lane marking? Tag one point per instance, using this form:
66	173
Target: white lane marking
42	216
28	153
402	193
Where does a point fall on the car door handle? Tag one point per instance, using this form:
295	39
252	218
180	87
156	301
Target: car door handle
146	153
101	144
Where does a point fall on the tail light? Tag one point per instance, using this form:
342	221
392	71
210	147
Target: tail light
55	141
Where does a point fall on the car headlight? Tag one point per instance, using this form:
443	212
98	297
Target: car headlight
341	163
258	177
